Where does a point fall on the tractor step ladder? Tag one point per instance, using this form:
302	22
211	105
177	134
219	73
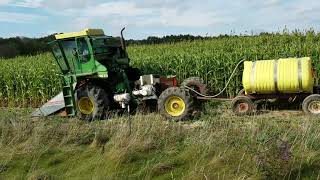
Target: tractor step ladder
68	95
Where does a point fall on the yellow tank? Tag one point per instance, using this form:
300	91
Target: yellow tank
292	75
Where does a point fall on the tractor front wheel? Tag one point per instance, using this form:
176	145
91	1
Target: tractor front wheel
176	104
92	101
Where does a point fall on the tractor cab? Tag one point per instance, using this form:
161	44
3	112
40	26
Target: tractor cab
89	52
90	58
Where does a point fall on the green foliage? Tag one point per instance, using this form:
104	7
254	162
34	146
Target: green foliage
28	81
214	60
22	46
36	78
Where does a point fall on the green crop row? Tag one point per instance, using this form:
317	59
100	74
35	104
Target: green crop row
214	60
35	79
28	81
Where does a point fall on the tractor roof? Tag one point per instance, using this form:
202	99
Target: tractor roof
86	32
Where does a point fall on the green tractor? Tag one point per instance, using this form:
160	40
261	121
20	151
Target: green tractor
97	79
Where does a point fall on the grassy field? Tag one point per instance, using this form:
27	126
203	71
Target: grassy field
31	81
216	145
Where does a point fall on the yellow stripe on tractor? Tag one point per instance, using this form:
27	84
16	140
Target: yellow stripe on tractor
86	32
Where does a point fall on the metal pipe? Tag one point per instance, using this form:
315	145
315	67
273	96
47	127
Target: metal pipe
226	86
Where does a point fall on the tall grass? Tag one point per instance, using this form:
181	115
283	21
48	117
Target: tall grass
29	79
270	146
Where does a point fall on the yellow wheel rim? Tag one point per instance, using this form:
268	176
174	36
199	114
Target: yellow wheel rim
86	105
175	106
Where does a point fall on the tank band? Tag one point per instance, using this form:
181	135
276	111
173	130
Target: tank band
300	75
275	75
252	77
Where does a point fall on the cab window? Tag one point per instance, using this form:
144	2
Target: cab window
58	54
83	50
69	46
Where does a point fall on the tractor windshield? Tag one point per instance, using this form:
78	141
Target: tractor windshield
59	56
68	47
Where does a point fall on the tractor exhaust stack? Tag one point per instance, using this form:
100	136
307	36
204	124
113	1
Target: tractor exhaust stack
123	42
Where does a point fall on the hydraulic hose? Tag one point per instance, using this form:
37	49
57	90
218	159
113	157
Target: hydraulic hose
226	86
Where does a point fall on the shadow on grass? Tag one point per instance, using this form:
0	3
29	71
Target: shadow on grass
307	171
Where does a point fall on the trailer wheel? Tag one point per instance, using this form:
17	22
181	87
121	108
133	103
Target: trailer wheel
195	83
311	104
176	104
242	105
92	101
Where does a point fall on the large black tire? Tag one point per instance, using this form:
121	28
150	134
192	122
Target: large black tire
176	104
98	100
311	104
242	105
195	83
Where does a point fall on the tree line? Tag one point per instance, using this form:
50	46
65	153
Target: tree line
22	46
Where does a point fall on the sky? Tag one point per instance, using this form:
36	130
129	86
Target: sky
143	18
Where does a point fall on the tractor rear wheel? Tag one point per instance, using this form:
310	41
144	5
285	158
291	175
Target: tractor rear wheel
92	102
311	104
176	104
196	83
242	105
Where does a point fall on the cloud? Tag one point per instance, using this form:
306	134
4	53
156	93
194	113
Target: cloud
191	18
188	19
140	13
4	2
161	4
116	8
152	13
272	2
20	18
169	16
66	4
266	3
260	4
29	3
57	5
81	23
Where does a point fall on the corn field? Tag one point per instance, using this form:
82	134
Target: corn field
29	81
